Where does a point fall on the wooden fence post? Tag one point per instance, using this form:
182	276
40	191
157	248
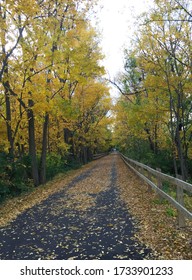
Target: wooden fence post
180	199
159	183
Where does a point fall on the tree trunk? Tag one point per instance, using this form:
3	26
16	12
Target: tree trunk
32	145
68	139
151	143
42	167
89	154
8	113
8	122
175	164
183	163
85	155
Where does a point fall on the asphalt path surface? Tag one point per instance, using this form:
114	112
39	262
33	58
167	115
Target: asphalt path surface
86	220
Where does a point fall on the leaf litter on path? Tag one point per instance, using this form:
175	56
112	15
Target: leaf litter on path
101	211
84	219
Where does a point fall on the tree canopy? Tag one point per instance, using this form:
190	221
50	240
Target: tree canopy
156	104
52	100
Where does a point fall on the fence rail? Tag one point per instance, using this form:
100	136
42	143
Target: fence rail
138	168
97	156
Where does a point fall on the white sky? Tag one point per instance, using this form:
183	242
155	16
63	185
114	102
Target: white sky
116	23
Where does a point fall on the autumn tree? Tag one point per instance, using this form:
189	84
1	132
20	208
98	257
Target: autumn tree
93	103
14	18
163	54
49	52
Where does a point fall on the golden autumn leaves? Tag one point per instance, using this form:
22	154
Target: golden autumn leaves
50	72
156	82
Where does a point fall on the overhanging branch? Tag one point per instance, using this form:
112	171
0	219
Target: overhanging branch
126	94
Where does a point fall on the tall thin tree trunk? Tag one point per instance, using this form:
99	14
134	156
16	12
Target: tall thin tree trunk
85	155
8	123
32	144
68	139
151	143
42	167
182	159
8	113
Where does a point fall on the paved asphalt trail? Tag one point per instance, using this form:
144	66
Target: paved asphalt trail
57	229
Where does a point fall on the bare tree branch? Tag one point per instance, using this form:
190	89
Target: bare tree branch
189	13
126	94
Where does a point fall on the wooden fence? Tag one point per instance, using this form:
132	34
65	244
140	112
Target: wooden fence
147	173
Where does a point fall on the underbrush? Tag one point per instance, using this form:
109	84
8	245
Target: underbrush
58	164
160	159
15	176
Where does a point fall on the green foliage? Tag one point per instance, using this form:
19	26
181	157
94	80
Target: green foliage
166	187
171	212
58	164
15	175
139	150
55	164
